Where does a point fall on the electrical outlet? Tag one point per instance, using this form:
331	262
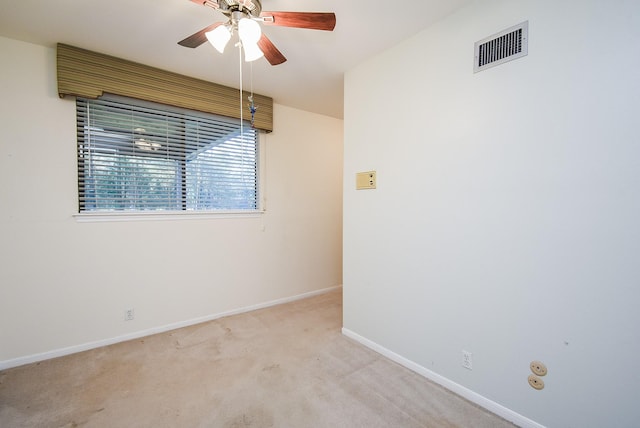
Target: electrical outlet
467	361
129	314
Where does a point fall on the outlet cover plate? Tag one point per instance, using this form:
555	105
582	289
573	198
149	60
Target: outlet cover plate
467	360
535	382
538	368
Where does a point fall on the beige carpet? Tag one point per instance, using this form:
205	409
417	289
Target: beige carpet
285	366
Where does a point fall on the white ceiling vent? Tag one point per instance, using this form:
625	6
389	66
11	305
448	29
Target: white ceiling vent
502	47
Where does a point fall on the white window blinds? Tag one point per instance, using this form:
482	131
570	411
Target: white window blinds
137	156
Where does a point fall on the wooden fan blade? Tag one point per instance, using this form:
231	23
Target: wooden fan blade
310	20
271	53
195	40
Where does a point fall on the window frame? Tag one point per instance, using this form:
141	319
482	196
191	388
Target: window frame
143	215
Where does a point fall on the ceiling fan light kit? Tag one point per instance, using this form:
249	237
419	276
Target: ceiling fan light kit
249	33
245	16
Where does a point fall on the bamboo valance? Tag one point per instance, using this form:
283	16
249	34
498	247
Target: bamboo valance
90	75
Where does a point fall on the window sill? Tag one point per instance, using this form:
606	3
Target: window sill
105	216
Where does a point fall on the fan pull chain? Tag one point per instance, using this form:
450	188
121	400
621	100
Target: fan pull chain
239	45
252	106
241	113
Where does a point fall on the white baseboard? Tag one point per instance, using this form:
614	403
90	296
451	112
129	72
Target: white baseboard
7	364
478	399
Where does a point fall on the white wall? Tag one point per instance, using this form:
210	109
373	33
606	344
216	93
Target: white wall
65	284
507	216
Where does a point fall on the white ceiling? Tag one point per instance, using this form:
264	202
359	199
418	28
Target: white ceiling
147	31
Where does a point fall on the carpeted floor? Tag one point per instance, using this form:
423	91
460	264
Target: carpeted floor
285	366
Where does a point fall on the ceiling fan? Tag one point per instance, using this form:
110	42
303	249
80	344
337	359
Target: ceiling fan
244	16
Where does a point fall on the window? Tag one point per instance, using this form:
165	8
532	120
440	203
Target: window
139	156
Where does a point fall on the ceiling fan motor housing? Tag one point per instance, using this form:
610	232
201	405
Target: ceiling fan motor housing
249	7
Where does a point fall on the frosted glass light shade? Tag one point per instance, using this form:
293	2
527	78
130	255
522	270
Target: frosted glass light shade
251	52
249	30
219	37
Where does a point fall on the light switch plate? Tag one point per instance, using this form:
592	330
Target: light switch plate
366	180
